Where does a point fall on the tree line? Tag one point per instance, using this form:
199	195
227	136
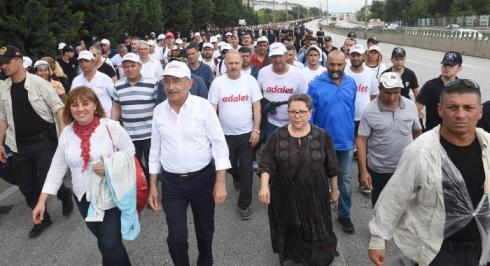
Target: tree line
409	11
37	26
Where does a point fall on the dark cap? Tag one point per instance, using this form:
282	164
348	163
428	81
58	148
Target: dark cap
328	38
8	52
398	52
351	34
68	48
452	58
373	40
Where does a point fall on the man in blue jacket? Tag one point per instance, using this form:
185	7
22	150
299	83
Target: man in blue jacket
334	96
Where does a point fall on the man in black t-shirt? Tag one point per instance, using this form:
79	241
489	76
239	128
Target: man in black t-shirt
68	63
409	79
103	64
431	202
430	92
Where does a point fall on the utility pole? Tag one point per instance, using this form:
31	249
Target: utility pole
287	12
273	12
365	18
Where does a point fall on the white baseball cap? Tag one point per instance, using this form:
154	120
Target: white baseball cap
213	39
41	63
87	55
228	34
262	39
131	57
197	34
207	44
320	52
277	48
218	36
179	41
225	46
357	48
27	62
177	69
151	42
61	45
161	36
391	80
374	47
105	41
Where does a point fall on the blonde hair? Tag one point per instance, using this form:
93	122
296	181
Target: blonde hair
55	67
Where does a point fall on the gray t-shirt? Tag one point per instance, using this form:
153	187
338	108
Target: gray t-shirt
387	133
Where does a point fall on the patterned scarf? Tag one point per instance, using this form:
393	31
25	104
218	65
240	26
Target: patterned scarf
84	133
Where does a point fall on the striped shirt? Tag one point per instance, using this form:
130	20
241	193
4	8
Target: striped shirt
137	103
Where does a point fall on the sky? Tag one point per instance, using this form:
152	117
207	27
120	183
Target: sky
334	6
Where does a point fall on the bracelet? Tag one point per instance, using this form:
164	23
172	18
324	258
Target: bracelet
256	130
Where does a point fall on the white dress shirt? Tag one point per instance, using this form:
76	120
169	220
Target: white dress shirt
68	154
187	141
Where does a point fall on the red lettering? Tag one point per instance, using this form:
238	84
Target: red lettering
237	98
277	89
361	88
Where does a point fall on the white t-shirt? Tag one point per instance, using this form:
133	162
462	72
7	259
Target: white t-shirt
377	71
152	69
102	85
278	88
158	54
211	64
234	99
311	74
216	53
367	86
298	64
117	63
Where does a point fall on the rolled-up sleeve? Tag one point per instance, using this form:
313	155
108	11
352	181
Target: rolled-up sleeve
219	148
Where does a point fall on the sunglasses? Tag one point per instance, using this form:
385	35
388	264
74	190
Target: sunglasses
466	82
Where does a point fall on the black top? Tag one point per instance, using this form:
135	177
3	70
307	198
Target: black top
107	69
469	163
484	122
70	69
429	96
26	121
409	80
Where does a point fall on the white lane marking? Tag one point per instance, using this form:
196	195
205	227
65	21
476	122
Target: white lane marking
8	192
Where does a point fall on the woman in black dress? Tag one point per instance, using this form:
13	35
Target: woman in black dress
298	171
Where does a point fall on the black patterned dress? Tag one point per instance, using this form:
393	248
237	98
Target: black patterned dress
313	241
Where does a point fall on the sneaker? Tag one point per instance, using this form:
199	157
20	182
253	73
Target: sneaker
347	225
67	202
38	229
245	214
364	190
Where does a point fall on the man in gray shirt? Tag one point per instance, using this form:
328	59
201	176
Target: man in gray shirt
388	125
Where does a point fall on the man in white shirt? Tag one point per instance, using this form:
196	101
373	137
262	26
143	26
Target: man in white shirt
207	56
367	90
313	68
278	81
236	96
151	68
188	143
99	82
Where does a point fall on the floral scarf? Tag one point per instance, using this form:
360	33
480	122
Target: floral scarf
84	133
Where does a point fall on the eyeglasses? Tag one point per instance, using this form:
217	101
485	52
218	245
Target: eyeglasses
466	82
301	113
178	81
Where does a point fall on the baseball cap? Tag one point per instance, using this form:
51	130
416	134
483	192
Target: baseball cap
105	41
357	48
41	63
169	35
390	80
68	48
8	52
228	34
224	46
314	47
177	69
262	39
61	45
161	36
87	55
27	62
398	52
452	58
131	57
218	36
213	39
351	34
373	40
179	41
207	44
374	47
197	34
277	48
151	42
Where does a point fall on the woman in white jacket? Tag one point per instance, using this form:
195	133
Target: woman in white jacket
82	144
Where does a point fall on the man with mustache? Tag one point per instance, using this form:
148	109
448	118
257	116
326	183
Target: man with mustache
334	97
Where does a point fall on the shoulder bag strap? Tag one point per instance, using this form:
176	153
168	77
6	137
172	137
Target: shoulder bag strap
110	136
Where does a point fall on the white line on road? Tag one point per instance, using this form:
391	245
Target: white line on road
8	192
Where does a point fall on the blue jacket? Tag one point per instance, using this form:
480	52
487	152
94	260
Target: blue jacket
334	107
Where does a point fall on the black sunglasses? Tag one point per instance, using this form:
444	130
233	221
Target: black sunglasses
466	82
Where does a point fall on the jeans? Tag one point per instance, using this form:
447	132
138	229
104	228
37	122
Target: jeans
177	194
142	150
345	182
241	158
379	181
108	234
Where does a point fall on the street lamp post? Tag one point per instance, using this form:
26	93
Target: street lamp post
365	18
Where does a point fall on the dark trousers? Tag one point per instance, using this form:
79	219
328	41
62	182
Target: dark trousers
31	164
142	150
108	234
241	158
177	193
379	181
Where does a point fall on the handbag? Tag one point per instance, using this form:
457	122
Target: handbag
142	191
283	197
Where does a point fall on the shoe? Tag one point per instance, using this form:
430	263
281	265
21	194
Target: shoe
245	214
67	202
347	225
364	190
38	229
5	209
255	166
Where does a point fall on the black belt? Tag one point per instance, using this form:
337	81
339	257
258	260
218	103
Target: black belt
460	246
35	138
190	174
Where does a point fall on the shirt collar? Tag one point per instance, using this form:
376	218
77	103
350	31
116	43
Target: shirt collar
384	108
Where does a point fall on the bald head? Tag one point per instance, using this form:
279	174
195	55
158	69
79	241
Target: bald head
336	54
336	64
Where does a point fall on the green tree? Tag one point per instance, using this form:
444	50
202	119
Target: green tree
179	14
202	13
